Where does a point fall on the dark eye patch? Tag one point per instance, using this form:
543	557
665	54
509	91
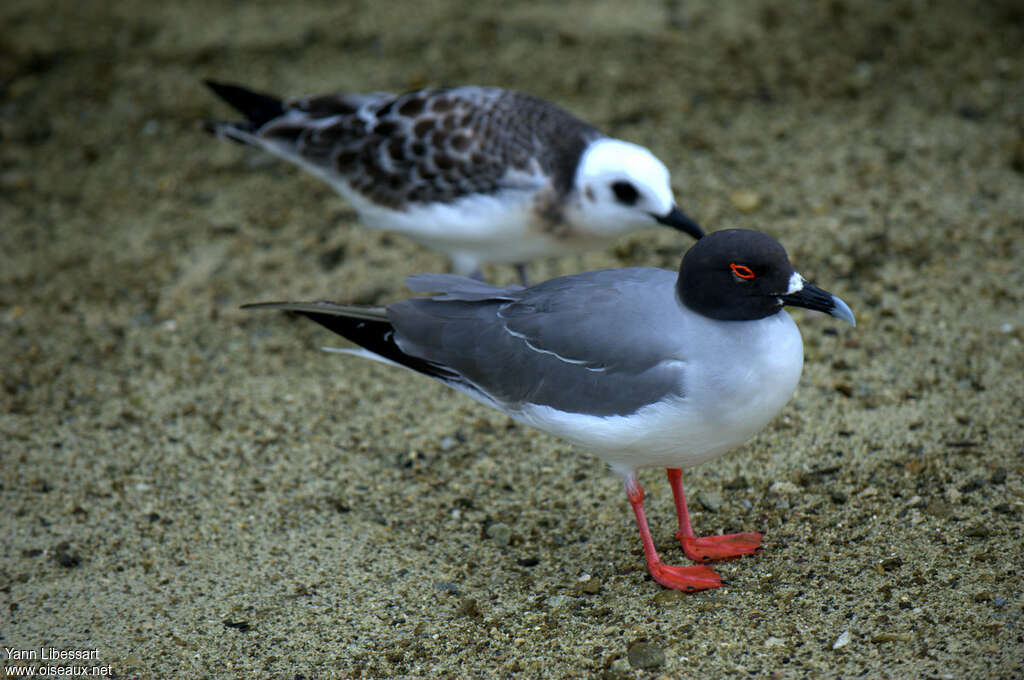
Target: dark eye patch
625	192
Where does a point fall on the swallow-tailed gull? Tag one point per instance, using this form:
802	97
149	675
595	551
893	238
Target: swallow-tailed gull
481	174
643	367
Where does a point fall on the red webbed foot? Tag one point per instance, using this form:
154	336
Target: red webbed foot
708	548
688	579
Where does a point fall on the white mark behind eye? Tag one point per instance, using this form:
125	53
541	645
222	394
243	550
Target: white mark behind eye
796	284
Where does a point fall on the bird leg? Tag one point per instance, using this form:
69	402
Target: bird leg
524	276
690	579
707	548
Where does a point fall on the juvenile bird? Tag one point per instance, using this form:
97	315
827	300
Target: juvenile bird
481	174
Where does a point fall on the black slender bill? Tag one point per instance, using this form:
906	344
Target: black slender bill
677	219
812	297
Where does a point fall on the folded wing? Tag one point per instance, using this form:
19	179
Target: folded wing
592	343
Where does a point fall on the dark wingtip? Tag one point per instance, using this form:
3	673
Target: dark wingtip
258	108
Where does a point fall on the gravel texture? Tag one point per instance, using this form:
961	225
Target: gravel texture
197	491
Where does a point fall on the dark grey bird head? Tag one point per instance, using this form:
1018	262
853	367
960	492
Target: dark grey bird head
743	275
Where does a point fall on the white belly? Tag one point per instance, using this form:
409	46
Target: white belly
735	381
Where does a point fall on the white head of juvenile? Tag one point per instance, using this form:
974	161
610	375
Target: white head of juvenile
621	187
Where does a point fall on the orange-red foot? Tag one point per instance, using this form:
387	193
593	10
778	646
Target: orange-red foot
708	548
689	579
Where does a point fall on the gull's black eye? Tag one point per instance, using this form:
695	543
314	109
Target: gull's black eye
625	192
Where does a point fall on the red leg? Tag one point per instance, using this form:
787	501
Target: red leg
707	548
691	579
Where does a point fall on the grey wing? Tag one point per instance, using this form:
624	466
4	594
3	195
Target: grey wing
436	144
582	344
455	287
620	319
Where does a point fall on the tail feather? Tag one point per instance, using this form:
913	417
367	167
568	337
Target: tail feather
367	327
258	108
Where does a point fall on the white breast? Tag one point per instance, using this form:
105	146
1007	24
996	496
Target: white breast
735	377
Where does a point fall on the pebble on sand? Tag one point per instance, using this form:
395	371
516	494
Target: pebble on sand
500	533
710	500
645	655
745	200
780	488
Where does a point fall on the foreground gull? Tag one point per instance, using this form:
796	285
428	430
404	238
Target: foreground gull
478	173
641	367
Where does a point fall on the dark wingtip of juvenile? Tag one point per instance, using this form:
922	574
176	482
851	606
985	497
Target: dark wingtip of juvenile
257	107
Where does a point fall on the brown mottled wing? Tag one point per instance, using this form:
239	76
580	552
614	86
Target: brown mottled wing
435	145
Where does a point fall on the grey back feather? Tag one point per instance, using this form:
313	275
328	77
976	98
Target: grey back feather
594	343
454	287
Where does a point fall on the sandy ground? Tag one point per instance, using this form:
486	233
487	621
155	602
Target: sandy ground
197	491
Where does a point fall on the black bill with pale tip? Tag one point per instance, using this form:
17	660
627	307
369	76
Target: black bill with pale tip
811	297
677	219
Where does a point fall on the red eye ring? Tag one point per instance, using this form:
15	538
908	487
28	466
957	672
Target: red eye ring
742	271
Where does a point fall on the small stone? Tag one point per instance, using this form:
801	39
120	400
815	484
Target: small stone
667	597
645	655
999	476
500	533
890	637
999	601
978	531
892	564
972	485
784	487
745	200
868	492
1017	156
837	497
844	388
447	443
860	79
618	668
710	500
468	608
330	259
591	586
65	556
774	642
446	587
938	508
737	483
556	602
844	639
